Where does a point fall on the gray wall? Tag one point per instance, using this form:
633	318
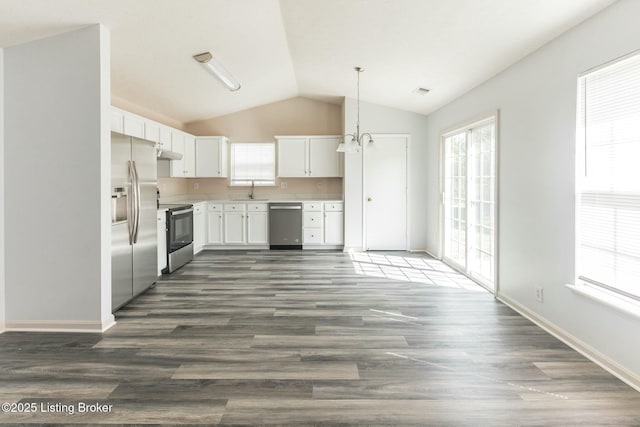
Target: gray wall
536	98
57	148
2	269
380	119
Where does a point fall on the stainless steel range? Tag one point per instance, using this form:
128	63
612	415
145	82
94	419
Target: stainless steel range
179	235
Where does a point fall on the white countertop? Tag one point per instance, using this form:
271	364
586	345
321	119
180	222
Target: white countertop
195	198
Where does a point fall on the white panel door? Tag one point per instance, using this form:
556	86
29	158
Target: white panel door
177	145
386	193
257	228
234	227
189	159
208	157
324	160
214	228
292	157
333	229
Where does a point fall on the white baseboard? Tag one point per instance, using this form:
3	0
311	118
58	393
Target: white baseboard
2	328
431	254
578	345
94	327
416	250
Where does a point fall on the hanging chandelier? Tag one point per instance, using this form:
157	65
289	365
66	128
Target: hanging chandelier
352	142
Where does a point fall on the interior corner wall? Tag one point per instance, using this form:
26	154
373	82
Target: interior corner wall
378	119
54	143
2	237
536	99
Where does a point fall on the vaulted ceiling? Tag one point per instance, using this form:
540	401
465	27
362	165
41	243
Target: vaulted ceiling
287	48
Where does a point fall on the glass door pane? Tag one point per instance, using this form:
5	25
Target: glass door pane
469	168
455	198
482	177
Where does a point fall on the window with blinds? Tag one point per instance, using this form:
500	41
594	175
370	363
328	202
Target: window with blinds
253	162
608	211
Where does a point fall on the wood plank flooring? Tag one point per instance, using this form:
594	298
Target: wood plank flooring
307	338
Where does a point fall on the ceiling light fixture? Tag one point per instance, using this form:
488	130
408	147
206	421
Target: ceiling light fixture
353	146
421	91
215	67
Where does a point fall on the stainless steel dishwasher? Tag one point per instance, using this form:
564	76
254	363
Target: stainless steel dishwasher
285	225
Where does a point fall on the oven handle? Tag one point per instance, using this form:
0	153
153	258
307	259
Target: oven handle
183	211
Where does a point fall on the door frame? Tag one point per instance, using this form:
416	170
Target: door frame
407	138
473	122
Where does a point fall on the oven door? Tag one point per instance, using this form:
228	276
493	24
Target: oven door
180	229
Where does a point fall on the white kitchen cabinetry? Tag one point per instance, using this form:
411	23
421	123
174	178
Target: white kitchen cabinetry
199	226
257	224
211	156
117	120
292	157
162	240
214	224
234	223
189	159
184	144
322	225
152	131
333	224
133	125
308	156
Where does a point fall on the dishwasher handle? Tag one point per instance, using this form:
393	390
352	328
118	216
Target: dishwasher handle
285	207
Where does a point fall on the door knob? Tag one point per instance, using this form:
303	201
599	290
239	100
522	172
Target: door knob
369	199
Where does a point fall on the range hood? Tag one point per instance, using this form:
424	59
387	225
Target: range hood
169	155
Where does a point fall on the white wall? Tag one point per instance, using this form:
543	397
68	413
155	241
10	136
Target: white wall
57	147
2	298
380	119
537	102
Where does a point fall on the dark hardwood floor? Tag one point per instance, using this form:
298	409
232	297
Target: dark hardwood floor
312	338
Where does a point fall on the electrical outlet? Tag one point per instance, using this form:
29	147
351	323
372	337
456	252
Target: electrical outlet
283	185
196	185
539	295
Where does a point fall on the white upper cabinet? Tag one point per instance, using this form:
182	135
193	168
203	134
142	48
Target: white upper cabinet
177	145
211	156
133	125
308	156
152	131
292	157
117	120
324	160
189	159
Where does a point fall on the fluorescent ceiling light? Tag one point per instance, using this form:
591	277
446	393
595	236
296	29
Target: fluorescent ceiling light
215	67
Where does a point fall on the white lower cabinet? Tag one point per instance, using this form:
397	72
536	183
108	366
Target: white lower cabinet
162	241
322	224
199	226
333	234
214	224
247	224
257	224
234	227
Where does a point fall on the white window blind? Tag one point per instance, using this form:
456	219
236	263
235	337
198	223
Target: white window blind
609	185
253	162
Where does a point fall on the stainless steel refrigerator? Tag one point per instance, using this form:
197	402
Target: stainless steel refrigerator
134	259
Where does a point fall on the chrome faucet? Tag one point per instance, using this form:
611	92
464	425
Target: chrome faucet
253	187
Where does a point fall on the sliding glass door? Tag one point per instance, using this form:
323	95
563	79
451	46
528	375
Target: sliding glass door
469	200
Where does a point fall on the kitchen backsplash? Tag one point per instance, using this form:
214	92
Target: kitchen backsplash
219	188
